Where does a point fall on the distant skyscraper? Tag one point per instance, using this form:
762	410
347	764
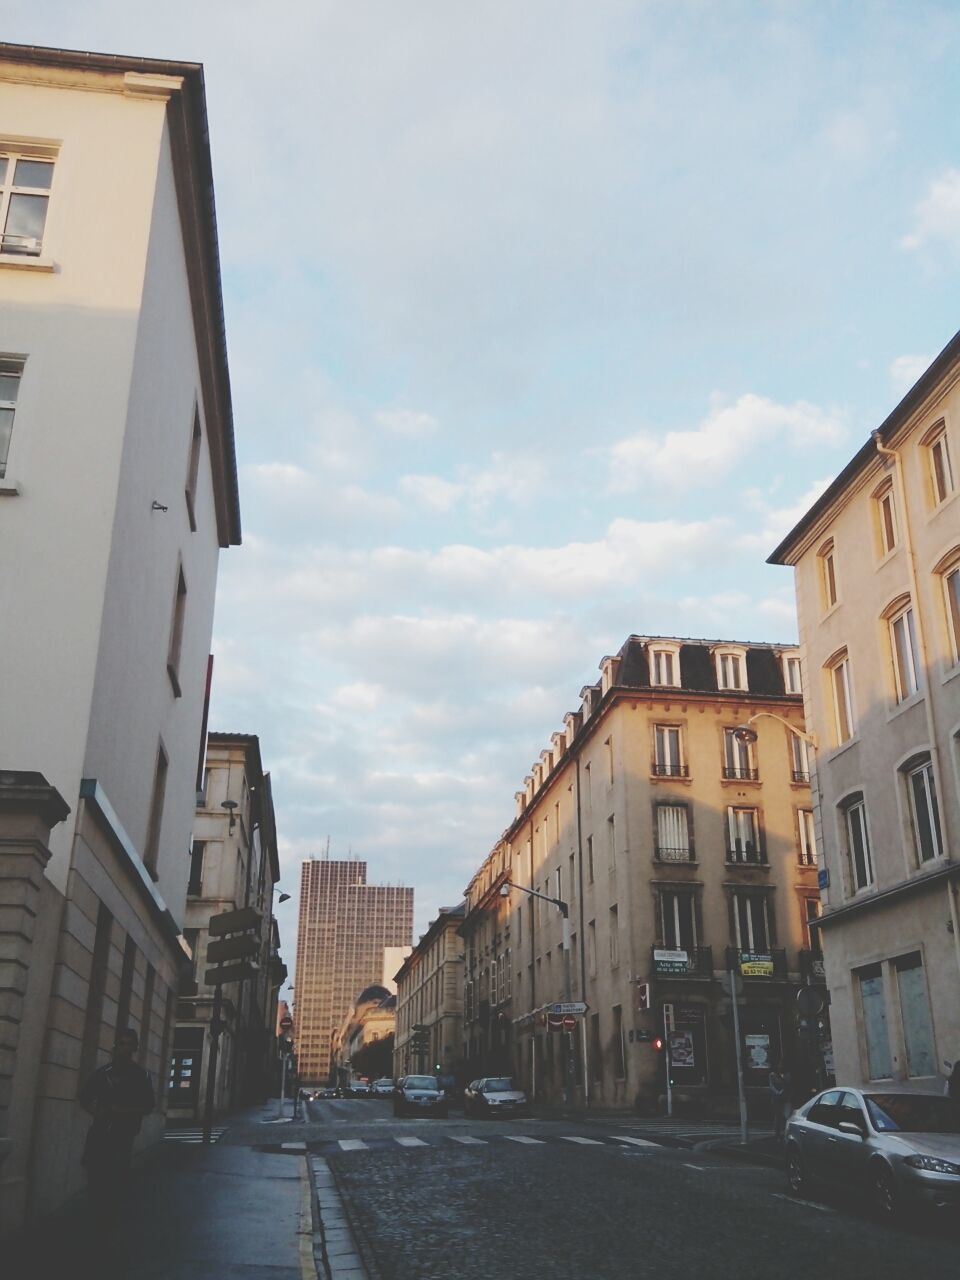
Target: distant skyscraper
344	926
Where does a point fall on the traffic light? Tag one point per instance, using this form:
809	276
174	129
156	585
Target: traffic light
657	1043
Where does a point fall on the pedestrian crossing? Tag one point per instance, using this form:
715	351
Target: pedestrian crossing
623	1142
194	1135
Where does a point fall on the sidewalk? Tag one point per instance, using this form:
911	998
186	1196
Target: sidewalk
221	1212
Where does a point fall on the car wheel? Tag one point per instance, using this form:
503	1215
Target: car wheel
886	1199
796	1173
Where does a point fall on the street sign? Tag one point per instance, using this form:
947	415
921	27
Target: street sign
234	921
671	961
571	1006
286	1023
233	948
643	1037
569	1022
754	965
231	973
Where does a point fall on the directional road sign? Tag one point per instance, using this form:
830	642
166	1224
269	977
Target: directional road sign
571	1006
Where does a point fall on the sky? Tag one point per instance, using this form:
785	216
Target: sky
545	321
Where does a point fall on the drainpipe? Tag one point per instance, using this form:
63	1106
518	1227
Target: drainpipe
533	978
583	943
894	454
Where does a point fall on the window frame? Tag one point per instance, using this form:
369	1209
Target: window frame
177	623
856	805
733	854
734	749
799	759
659	848
724	657
942	480
904	654
839	666
791	662
11	366
663	766
13	153
673	938
948	571
887	523
916	767
750	898
807	852
829	588
655	654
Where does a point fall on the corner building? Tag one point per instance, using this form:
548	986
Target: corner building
344	926
877	575
681	852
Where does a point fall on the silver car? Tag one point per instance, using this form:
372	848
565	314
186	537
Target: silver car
900	1148
495	1096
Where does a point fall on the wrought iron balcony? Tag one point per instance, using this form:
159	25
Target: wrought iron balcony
748	855
671	963
740	773
667	854
762	966
670	770
799	775
811	966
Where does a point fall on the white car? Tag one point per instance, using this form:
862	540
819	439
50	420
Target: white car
382	1088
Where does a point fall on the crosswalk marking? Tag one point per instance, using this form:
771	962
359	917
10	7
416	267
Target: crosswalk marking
411	1142
353	1144
637	1142
193	1135
468	1141
519	1138
585	1142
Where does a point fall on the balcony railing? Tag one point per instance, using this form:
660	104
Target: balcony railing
667	854
670	770
748	855
671	964
764	966
741	774
811	967
800	775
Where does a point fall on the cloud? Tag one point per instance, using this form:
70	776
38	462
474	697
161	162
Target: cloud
936	216
511	479
771	523
432	492
727	439
905	370
407	423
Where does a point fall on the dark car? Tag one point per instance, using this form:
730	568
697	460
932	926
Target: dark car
495	1096
900	1148
419	1095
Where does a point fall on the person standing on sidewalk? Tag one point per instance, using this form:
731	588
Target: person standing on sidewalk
118	1096
779	1085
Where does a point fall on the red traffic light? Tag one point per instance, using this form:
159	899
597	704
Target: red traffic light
657	1043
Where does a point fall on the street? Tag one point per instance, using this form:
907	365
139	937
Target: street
429	1199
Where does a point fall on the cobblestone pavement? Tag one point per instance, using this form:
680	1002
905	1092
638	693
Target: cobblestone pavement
432	1200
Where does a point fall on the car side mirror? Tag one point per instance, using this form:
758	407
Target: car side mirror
854	1130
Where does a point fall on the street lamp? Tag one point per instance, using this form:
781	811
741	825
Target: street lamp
230	805
743	732
564	909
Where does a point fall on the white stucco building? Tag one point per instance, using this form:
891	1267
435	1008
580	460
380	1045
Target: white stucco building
117	491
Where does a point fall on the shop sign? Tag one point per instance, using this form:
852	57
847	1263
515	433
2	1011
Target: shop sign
671	961
754	965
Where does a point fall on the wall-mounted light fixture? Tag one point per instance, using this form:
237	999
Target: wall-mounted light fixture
230	805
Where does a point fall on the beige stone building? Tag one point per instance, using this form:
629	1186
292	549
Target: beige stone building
681	852
118	490
430	1001
877	562
363	1042
234	863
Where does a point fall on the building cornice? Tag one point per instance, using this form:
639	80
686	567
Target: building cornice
916	884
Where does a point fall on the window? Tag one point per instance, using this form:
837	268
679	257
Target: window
152	847
730	670
791	673
612	842
590	859
941	470
858	843
592	948
25	183
619	1057
11	370
665	667
915	1016
903	651
608	745
840	682
743	826
737	757
949	574
828	575
812	908
195	887
751	926
596	1054
678	928
886	519
874	1008
668	752
673	836
800	755
614	923
807	847
924	810
193	470
176	632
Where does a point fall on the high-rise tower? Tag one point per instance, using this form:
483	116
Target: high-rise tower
344	926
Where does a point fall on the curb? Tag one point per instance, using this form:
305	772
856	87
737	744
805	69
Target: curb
748	1154
339	1256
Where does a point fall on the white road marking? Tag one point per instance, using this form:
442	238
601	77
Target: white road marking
466	1140
352	1144
809	1204
586	1142
517	1138
411	1142
636	1142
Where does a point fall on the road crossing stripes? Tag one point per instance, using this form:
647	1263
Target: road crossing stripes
467	1140
586	1142
353	1144
193	1135
519	1137
412	1142
614	1141
636	1142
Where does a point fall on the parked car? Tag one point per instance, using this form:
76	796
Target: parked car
382	1088
900	1148
495	1095
420	1095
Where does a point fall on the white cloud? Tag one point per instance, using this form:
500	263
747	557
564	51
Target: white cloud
725	440
407	423
773	523
361	696
905	370
432	492
936	216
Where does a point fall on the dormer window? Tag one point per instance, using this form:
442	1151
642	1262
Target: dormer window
665	665
731	669
791	673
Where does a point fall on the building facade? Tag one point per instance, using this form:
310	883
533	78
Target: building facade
363	1042
877	571
117	491
681	849
343	927
430	1001
233	864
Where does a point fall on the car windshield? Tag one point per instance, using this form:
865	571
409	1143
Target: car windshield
502	1085
420	1082
912	1113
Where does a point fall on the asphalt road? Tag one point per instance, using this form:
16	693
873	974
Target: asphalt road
432	1199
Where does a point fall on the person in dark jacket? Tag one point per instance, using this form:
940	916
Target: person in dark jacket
118	1096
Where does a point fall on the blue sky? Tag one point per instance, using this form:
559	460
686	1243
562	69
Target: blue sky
545	321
